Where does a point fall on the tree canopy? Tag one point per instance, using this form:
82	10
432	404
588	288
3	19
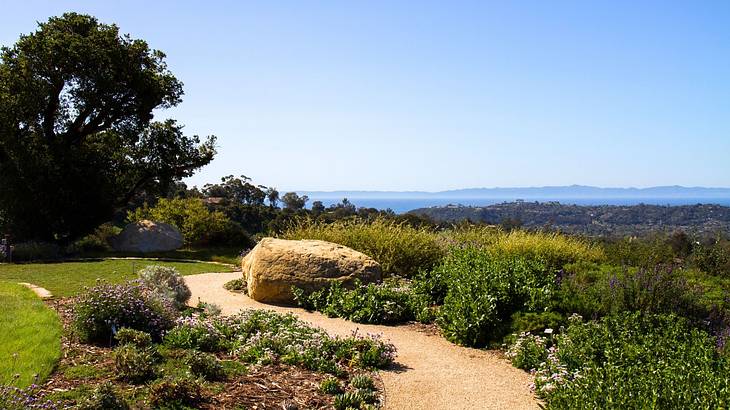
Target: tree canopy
77	136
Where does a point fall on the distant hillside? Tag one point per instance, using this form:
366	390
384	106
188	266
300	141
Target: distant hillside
543	193
599	220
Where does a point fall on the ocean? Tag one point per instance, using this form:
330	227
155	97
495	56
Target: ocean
402	205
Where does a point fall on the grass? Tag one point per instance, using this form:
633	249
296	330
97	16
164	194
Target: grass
30	336
65	279
399	248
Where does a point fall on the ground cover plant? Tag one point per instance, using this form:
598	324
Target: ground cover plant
69	278
628	360
30	337
117	355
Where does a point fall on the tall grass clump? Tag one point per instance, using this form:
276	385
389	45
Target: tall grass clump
554	249
399	248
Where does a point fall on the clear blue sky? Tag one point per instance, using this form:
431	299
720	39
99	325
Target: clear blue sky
423	95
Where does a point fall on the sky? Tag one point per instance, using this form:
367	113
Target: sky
421	95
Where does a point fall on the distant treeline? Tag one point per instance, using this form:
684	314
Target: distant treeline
598	220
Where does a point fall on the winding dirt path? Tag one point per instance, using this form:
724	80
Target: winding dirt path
431	373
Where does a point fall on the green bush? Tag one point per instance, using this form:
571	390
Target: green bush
175	393
133	337
484	290
205	365
387	303
634	360
36	251
593	291
363	382
348	400
134	364
236	285
103	397
198	225
167	282
330	385
528	351
553	249
100	310
97	241
640	252
399	248
713	259
204	334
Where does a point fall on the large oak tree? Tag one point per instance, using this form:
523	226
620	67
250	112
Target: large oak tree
77	136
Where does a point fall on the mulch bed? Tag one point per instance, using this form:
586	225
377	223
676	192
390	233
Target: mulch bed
263	387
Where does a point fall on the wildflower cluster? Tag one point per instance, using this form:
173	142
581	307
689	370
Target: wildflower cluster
102	310
528	351
14	398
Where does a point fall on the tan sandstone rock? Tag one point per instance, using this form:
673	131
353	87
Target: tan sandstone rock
148	236
275	265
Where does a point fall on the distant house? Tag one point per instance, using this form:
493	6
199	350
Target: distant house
214	200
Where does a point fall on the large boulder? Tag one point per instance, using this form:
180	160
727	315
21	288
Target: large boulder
148	236
275	265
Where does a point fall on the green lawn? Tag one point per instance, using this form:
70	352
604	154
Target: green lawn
30	336
69	278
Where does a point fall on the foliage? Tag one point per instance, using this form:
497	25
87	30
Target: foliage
29	398
167	282
133	337
388	302
205	365
293	201
485	290
348	400
633	360
134	364
210	335
536	321
103	397
30	337
553	249
330	385
70	278
236	285
198	224
594	291
175	392
103	309
97	241
713	259
362	381
528	351
77	141
36	251
399	248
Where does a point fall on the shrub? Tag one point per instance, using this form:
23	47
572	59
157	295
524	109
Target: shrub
330	385
97	241
177	392
198	225
373	303
167	282
236	285
536	321
362	381
205	365
197	333
484	291
348	400
100	310
553	249
133	337
595	291
713	259
134	364
640	252
36	251
633	360
103	397
528	351
399	248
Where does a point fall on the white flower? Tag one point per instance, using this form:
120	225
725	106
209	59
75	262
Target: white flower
548	331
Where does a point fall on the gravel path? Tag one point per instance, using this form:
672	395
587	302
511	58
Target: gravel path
431	373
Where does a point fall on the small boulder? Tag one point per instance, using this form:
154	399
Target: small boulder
275	265
147	236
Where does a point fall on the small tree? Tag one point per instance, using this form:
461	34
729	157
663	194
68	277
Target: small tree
293	201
